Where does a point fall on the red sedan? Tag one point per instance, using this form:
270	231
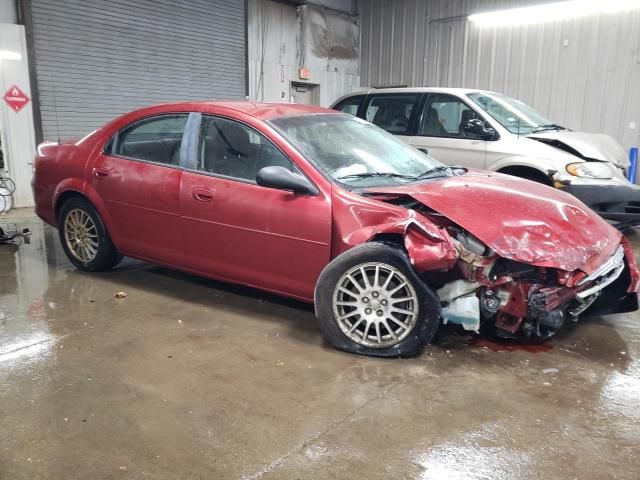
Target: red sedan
323	206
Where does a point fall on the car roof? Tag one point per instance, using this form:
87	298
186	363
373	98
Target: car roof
261	110
378	90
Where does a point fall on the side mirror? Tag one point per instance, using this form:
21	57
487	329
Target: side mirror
282	179
475	126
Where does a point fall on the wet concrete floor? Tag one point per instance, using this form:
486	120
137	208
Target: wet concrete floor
191	378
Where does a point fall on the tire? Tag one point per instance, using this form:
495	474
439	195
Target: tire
97	252
350	324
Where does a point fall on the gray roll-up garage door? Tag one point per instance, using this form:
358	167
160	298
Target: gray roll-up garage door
98	59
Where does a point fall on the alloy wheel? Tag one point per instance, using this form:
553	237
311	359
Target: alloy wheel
81	235
375	305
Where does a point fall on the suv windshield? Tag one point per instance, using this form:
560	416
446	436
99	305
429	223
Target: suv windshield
355	152
512	114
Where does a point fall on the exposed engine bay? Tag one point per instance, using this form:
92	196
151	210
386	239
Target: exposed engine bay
480	289
519	300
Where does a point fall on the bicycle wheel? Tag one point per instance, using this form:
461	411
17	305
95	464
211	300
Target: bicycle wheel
7	184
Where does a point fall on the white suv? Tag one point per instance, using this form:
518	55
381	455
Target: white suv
492	131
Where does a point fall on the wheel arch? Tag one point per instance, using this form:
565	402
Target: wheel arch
65	191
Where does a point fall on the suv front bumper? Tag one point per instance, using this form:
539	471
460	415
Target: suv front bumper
618	203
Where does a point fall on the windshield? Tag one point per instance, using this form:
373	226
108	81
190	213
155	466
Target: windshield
355	152
512	114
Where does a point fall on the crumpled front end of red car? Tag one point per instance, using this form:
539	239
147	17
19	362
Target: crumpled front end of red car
529	289
522	300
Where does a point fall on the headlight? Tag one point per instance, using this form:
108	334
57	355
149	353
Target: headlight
590	170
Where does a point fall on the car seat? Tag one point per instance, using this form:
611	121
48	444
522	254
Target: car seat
433	126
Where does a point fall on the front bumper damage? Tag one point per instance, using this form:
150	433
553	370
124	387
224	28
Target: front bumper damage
519	301
524	279
618	203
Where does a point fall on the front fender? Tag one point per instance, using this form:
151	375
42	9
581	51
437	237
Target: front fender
361	220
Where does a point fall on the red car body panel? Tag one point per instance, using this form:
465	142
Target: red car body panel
255	232
520	220
280	241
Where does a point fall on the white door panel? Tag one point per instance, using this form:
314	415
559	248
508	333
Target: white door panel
452	151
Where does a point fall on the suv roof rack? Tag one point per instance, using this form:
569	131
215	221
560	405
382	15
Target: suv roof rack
391	86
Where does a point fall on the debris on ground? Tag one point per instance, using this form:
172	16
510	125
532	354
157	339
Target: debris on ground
120	295
550	370
10	236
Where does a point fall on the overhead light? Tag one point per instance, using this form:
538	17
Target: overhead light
551	12
9	55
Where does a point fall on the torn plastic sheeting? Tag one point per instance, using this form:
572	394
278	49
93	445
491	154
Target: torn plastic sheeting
464	311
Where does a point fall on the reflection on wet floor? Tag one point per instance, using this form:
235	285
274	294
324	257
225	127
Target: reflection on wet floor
191	378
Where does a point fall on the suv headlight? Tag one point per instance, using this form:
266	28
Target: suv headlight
590	170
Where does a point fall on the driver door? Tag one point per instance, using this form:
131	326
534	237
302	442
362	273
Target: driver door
239	231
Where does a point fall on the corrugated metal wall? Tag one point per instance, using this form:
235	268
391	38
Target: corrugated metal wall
583	73
96	60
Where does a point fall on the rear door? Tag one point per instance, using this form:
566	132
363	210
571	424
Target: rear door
441	132
240	231
138	177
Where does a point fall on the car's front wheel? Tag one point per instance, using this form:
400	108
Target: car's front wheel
370	301
84	237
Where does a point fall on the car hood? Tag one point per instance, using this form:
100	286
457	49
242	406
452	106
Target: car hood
518	219
587	146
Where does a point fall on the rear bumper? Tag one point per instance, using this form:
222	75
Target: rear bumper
619	203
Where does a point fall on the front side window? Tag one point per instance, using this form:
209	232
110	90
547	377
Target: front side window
235	150
512	114
350	105
356	153
391	112
155	139
445	116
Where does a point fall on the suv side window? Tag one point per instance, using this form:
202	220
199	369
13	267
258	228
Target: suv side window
392	112
445	116
234	150
350	105
155	139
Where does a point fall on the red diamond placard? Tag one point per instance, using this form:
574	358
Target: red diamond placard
16	98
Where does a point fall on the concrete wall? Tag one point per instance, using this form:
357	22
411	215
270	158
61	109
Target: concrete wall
283	38
582	73
18	138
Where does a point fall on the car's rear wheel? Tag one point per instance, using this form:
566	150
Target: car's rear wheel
84	237
370	301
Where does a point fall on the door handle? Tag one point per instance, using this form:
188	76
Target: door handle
100	172
202	194
424	150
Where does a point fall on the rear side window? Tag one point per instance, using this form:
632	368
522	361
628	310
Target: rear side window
350	105
234	150
392	112
155	139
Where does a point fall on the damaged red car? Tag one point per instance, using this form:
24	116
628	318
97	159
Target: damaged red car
327	208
